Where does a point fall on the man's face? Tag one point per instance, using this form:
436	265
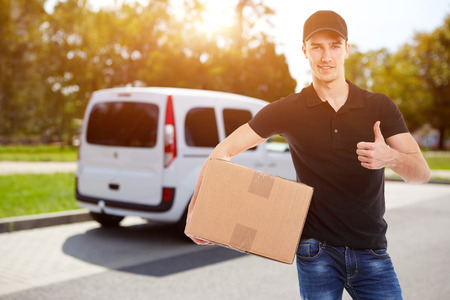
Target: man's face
326	52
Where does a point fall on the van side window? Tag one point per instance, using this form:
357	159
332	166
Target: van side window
201	127
234	118
123	124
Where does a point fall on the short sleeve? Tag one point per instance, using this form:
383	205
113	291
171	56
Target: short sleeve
392	122
267	121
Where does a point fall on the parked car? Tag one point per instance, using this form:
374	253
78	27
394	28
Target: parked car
142	149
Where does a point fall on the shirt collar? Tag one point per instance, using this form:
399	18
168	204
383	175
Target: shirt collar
354	100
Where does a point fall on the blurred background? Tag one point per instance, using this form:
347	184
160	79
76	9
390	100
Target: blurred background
54	54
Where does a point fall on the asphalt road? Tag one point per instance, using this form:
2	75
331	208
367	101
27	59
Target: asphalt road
144	261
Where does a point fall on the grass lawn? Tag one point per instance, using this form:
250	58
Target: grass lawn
26	194
38	153
438	160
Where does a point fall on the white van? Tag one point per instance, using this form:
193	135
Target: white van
142	149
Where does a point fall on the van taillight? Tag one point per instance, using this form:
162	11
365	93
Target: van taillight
170	137
168	195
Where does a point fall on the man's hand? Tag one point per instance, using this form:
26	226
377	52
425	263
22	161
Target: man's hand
374	155
196	240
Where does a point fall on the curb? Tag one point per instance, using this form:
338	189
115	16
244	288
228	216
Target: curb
44	220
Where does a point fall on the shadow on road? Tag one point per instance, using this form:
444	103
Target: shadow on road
172	265
144	249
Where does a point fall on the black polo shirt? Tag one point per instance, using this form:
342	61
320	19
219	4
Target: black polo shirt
348	204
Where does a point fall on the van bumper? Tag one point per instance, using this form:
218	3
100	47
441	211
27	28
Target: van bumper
165	205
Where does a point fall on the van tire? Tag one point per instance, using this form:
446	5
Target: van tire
106	220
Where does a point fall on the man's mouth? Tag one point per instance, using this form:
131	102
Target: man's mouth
326	67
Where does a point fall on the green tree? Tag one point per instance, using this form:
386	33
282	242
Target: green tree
401	79
96	50
52	62
248	63
21	91
416	77
433	58
366	69
394	75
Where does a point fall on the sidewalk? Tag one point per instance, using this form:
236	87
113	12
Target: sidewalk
22	167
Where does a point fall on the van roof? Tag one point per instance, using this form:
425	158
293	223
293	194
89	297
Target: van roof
175	91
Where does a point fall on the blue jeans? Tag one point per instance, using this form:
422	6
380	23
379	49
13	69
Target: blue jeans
325	270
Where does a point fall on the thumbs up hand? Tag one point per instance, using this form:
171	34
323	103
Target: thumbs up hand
374	155
377	131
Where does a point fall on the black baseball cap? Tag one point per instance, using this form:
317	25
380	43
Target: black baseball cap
324	20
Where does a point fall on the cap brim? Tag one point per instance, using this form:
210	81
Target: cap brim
322	29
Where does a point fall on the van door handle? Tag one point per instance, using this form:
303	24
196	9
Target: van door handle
114	186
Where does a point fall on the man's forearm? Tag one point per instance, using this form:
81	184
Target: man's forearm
411	167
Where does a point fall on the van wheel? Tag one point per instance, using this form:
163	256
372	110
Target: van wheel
106	220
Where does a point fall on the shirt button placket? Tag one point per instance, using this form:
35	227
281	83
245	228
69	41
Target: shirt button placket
335	131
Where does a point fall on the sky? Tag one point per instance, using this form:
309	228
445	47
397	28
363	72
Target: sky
372	24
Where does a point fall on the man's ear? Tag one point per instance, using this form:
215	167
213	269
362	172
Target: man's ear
304	50
347	49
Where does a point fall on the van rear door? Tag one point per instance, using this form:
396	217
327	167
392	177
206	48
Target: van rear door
122	152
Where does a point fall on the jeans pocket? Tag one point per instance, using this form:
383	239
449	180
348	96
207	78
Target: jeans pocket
309	249
379	253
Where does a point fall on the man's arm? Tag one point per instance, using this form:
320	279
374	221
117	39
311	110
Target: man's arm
240	140
403	156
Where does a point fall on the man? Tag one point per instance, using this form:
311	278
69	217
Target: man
341	138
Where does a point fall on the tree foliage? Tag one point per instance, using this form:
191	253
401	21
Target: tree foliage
433	60
21	91
52	62
416	77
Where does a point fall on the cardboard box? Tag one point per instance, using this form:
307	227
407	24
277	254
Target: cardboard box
250	211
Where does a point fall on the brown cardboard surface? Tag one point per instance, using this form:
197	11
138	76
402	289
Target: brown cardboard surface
250	211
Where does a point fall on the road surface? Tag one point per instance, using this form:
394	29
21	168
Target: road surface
145	261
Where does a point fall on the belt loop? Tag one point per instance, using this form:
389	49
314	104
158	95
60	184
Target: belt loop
323	244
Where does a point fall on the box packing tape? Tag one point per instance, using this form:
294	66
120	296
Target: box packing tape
242	237
261	184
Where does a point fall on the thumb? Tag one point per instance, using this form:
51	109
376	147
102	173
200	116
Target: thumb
377	132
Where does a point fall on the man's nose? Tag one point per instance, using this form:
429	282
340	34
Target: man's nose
326	57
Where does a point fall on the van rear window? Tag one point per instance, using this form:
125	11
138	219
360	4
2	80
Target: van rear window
124	124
